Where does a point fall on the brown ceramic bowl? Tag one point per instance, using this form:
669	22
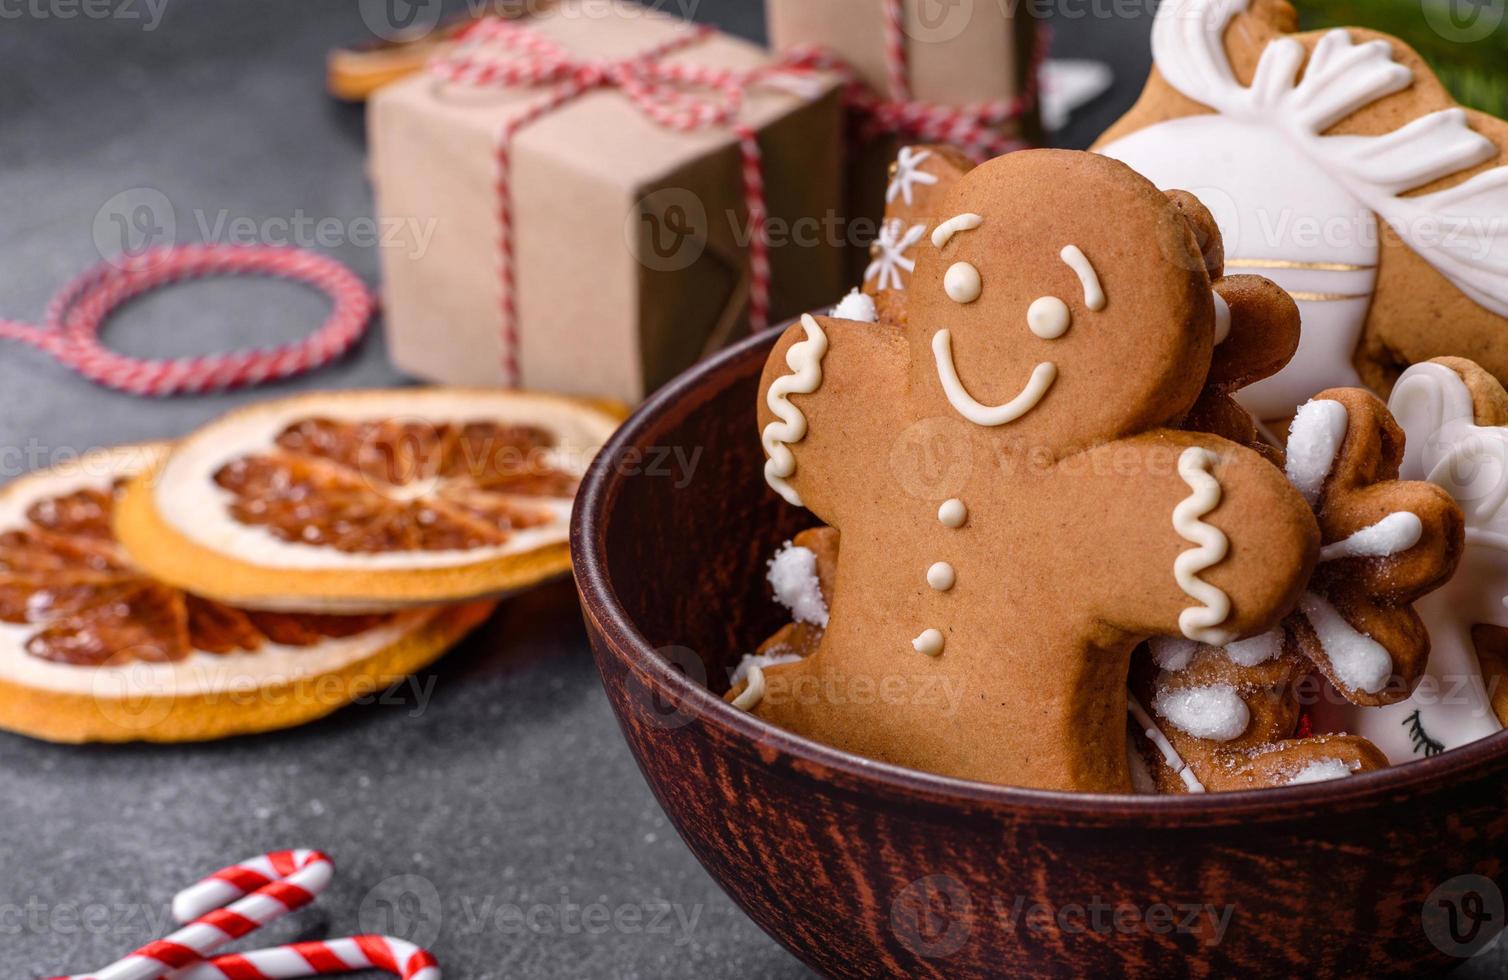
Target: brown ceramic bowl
863	869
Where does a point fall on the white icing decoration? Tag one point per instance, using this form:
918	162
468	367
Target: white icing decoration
1257	650
891	257
929	642
1393	535
1282	185
1222	319
1314	442
952	513
1444	444
1216	712
1359	662
1200	622
943	233
962	283
1042	379
1320	771
793	576
1049	317
749	698
1170	755
941	576
1172	653
805	361
858	306
763	661
908	174
1094	293
1142	782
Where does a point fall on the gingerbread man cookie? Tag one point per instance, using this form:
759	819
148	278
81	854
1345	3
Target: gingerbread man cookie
1017	509
1455	416
920	179
1229	714
1339	165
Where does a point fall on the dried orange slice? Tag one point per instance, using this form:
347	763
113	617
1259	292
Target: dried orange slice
369	500
93	649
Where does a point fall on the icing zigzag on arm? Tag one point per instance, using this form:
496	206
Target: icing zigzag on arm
805	360
1462	232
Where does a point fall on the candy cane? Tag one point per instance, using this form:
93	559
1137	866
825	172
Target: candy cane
240	899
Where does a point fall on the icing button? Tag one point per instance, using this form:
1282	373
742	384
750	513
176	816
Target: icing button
929	642
952	513
941	576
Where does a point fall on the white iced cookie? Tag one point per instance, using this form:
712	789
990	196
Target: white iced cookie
1445	446
1265	151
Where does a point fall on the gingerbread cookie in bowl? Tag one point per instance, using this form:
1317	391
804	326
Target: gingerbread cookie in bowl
1219	718
1339	166
920	179
1046	358
1455	416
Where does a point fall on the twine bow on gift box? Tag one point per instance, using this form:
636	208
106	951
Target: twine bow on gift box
655	88
973	128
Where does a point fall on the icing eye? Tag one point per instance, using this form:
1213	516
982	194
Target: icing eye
962	283
1049	318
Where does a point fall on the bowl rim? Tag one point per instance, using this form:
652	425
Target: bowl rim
599	490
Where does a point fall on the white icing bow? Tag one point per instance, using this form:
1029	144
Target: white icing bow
1462	231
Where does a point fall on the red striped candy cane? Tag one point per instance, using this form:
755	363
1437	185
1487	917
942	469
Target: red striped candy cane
400	958
236	901
71	327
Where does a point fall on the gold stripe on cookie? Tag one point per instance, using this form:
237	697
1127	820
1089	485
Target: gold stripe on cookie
1290	264
1299	294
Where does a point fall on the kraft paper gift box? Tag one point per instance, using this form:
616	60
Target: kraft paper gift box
957	53
631	256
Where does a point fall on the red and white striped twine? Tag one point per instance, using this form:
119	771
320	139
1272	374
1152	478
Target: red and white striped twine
76	316
655	88
973	128
497	53
238	900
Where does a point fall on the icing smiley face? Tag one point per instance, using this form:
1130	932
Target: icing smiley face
1025	308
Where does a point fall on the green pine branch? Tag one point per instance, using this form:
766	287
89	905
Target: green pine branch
1464	41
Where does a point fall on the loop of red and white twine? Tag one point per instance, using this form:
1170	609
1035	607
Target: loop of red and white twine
71	327
238	900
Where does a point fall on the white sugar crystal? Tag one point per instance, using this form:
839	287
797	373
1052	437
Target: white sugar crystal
1314	441
793	576
1172	652
1321	770
1215	712
857	306
1257	650
761	660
